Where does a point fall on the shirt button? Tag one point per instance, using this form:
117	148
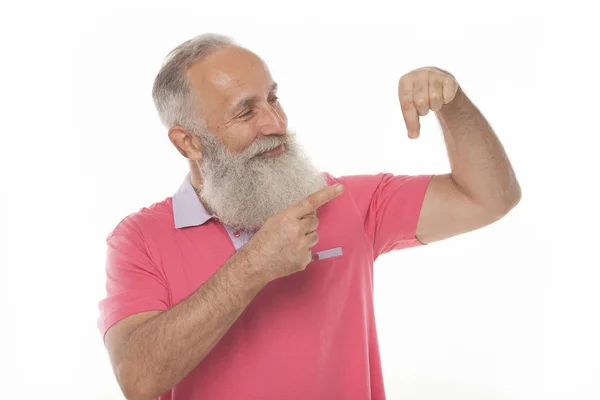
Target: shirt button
315	257
236	234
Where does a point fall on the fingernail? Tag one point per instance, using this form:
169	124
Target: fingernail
339	188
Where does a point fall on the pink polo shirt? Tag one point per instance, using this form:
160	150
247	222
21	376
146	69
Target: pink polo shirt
309	335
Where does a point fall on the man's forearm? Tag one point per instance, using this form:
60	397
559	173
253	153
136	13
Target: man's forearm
167	347
480	166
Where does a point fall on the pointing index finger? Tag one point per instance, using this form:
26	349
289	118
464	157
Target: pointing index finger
316	200
409	110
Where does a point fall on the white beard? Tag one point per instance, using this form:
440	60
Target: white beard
244	191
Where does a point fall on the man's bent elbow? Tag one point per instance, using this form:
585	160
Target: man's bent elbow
133	386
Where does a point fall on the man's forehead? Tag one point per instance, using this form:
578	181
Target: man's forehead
222	79
227	77
228	69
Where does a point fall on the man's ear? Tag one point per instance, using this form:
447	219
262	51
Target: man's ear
186	142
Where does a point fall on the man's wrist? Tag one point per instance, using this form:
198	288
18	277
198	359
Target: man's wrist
454	108
248	267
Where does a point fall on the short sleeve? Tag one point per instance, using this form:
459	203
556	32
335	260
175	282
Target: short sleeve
390	205
133	282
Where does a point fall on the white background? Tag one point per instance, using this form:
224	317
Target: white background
506	312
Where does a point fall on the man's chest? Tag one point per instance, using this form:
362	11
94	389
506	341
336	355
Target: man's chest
190	256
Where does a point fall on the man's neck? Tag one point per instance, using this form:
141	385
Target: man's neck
196	179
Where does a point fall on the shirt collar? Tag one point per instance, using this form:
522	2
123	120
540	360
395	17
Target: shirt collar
187	207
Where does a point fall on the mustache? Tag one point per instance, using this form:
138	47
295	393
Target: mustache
264	144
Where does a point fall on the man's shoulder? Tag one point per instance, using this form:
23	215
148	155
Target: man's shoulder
356	181
383	185
153	218
370	181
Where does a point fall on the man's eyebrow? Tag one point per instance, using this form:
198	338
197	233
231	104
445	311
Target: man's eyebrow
240	105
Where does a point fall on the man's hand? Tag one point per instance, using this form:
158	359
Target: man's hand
421	90
282	246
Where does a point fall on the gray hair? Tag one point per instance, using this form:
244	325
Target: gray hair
172	93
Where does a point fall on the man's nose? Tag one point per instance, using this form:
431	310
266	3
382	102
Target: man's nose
271	122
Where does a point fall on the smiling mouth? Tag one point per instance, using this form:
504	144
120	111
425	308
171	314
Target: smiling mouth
276	151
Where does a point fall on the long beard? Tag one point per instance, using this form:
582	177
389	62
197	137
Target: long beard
244	190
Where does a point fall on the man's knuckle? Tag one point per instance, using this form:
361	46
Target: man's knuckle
421	102
407	105
313	201
284	218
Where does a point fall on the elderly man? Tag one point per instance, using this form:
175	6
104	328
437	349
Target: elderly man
255	279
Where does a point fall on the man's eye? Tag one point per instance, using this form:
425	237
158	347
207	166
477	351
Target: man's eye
250	112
